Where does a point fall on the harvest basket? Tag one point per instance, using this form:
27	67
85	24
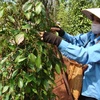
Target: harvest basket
69	83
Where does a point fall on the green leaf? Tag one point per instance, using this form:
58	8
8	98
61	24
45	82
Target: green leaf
28	15
14	73
27	26
64	67
11	46
20	83
38	21
38	8
19	38
15	31
17	97
5	88
32	78
20	58
35	91
11	89
32	58
46	84
38	62
58	70
45	92
0	88
1	13
7	97
4	74
11	19
4	60
27	6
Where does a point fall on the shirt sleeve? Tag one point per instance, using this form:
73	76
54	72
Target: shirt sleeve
79	40
80	54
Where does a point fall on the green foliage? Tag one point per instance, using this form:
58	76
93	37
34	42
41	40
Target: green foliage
27	64
71	17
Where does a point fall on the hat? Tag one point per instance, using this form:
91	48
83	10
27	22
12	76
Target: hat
89	12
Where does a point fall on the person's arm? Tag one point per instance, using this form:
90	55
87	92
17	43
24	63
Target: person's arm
80	54
79	40
74	52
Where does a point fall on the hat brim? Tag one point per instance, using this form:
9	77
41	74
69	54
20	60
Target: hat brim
92	11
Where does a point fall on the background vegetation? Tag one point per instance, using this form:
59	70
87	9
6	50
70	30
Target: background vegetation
71	18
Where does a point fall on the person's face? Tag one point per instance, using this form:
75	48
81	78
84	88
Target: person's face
95	27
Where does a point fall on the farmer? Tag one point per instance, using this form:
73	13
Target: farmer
83	48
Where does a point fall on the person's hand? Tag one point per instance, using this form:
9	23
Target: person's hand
50	38
60	31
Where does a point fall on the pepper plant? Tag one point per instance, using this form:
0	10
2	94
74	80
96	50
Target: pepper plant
27	64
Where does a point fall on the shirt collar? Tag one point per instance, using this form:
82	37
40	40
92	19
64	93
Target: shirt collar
93	37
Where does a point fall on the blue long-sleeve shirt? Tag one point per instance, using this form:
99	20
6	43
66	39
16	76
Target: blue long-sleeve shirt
85	49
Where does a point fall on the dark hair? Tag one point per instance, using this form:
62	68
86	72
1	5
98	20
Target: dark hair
92	17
